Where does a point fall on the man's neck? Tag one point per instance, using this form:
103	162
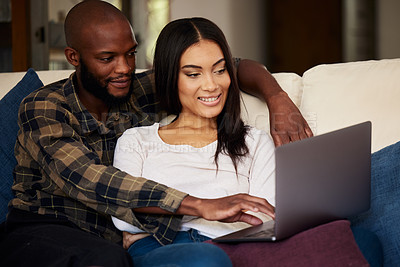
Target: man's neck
98	108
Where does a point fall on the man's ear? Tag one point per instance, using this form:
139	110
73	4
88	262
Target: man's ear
72	56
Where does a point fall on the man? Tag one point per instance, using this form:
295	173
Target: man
66	187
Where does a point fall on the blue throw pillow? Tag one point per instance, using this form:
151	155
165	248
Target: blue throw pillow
9	105
384	215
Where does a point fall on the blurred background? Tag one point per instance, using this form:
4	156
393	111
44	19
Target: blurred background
285	35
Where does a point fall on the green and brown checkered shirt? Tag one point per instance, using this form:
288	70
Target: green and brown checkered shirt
65	161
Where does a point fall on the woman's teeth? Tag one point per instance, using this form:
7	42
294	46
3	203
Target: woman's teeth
209	99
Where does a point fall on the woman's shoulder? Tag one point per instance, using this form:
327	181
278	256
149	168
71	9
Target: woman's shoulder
254	132
141	132
255	136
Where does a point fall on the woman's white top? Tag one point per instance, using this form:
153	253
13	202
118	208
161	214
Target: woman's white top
141	152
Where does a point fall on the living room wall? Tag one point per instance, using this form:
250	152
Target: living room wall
244	23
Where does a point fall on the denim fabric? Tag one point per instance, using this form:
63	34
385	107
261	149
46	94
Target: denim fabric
186	250
9	106
383	218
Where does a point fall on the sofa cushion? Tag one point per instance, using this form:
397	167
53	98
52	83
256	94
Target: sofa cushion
9	105
330	244
51	76
339	95
383	216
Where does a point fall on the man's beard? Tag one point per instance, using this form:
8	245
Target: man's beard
93	86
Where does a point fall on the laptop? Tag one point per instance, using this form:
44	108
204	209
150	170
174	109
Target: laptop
318	180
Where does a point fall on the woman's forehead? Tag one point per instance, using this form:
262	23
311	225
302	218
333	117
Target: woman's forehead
205	51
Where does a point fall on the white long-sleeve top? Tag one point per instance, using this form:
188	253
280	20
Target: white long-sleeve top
141	152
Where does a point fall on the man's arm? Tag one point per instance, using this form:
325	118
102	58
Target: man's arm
50	135
286	122
225	209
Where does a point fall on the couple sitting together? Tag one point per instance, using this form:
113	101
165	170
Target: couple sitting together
86	142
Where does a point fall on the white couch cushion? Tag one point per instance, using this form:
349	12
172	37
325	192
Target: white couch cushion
339	95
48	77
8	80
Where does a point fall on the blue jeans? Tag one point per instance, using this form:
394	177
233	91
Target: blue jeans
187	249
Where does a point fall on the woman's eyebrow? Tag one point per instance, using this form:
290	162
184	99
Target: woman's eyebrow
191	66
199	67
219	61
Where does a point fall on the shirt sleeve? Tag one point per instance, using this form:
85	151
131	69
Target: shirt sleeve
262	171
50	133
128	158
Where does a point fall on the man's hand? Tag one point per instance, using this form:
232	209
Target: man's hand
227	209
286	122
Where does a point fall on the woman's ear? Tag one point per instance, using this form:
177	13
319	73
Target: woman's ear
72	56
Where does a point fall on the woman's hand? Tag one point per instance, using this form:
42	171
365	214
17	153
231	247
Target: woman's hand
128	239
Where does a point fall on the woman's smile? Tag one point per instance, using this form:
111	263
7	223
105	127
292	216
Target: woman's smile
211	100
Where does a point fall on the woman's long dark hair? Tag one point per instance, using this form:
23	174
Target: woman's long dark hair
174	39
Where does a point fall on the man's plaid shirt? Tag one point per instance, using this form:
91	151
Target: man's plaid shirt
65	161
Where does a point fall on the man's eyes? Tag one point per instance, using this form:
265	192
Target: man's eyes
106	58
110	58
132	53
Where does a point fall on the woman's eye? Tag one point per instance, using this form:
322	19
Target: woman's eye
221	71
192	75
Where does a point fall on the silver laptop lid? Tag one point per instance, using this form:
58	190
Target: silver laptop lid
319	179
327	177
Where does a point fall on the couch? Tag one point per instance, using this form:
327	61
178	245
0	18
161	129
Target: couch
330	96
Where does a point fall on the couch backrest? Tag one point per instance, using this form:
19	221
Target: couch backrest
339	95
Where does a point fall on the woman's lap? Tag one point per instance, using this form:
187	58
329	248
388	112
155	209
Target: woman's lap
187	249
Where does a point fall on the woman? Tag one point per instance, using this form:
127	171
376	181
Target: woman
207	151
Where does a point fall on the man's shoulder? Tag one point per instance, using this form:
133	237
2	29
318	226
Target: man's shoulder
51	92
49	99
144	94
143	80
142	73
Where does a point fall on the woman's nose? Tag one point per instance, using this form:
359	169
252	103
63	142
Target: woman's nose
210	84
